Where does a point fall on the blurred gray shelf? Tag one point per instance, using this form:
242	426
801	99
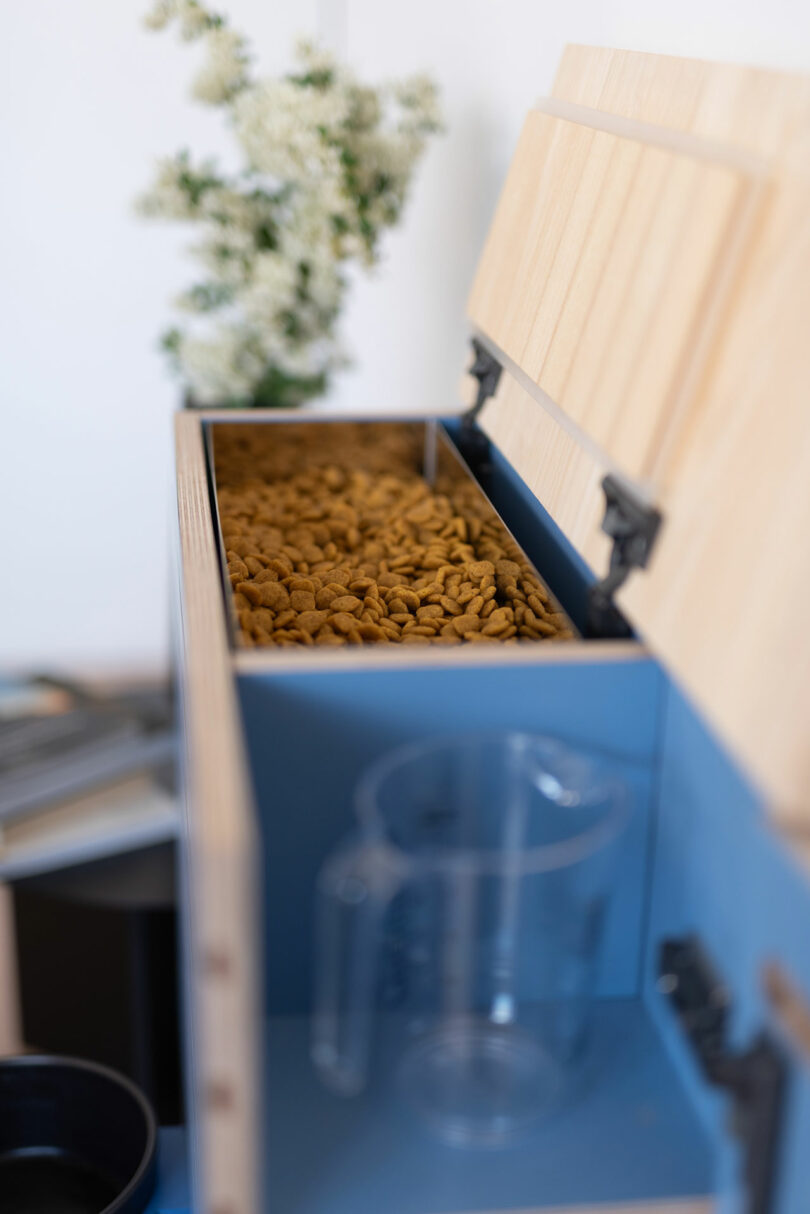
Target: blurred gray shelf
86	777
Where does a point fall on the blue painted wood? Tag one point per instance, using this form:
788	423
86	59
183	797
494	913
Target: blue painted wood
627	1134
721	871
310	735
172	1193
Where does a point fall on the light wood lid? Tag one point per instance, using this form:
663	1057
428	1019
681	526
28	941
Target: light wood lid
655	227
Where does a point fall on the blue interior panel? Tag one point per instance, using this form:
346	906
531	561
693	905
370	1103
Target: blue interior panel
310	735
172	1193
627	1134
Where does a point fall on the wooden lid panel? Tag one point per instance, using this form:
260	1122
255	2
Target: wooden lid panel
666	338
599	271
724	599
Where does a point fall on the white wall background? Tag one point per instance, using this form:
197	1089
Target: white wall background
86	100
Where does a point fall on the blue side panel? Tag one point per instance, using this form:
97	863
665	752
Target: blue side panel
172	1193
722	872
310	735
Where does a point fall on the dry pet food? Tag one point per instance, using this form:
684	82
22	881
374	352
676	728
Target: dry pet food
332	538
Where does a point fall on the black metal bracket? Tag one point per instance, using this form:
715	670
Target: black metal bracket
633	526
487	370
472	442
754	1078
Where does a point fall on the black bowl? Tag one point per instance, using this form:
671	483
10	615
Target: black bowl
75	1138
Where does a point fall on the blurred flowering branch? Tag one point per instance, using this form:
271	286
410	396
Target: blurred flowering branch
328	162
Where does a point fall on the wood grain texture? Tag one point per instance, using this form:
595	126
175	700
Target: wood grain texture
10	1039
724	600
599	271
220	850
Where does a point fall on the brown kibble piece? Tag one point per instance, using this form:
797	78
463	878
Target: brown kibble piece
494	628
371	632
466	623
302	600
340	576
480	569
311	621
343	622
347	602
408	597
251	592
274	595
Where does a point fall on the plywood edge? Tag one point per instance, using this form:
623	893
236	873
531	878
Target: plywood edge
391	657
222	878
713	151
685	1206
325	413
10	1036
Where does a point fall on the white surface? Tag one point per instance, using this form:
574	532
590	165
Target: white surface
86	100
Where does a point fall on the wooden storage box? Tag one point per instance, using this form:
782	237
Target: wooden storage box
641	290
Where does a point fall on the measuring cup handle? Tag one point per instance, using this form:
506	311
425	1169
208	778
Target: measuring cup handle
353	890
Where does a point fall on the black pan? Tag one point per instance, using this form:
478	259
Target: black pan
75	1138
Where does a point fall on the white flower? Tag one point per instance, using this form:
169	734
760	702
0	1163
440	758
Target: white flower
365	111
161	13
419	97
307	233
272	288
230	207
224	70
222	367
284	129
168	198
315	60
324	286
329	161
194	19
227	255
294	358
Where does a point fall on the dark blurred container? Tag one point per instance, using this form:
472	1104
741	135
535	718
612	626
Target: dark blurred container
98	965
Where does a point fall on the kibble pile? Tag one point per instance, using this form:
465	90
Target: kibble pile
333	538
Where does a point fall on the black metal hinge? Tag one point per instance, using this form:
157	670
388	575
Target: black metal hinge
472	442
754	1078
487	370
633	526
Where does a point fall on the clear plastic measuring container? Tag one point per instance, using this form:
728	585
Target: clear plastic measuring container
471	902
